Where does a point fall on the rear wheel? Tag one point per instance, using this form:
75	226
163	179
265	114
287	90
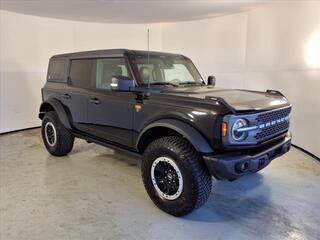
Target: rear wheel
57	139
174	176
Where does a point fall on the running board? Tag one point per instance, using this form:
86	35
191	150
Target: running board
106	143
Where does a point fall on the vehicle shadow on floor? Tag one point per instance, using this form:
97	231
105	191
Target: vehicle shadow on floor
124	157
229	200
247	205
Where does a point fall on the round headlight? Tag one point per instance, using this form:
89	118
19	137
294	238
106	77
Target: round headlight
239	135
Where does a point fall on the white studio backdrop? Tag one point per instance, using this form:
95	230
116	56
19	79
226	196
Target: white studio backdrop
275	46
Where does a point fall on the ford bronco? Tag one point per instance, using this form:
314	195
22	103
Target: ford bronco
157	105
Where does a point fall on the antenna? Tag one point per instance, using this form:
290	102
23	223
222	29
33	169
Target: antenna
148	55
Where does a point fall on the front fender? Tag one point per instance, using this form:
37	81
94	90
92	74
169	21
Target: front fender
190	133
57	106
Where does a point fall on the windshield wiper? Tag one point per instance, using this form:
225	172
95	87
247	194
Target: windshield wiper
191	83
165	83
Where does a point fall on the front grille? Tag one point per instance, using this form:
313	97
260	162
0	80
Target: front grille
273	115
271	123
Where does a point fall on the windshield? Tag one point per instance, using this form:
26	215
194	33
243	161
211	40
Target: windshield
167	70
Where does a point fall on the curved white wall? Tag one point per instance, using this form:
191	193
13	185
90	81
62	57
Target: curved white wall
276	46
26	44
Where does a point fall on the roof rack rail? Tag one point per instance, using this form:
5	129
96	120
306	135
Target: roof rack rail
222	102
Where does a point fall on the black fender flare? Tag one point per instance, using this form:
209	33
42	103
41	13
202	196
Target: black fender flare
186	130
58	108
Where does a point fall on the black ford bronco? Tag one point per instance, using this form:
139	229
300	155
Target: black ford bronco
158	106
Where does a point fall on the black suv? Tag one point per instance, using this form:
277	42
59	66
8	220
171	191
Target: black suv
157	105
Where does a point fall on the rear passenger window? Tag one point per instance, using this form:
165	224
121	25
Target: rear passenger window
108	69
81	72
57	71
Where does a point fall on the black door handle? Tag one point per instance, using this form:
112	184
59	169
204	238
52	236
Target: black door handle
66	96
95	100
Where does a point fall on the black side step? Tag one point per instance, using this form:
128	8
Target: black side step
106	143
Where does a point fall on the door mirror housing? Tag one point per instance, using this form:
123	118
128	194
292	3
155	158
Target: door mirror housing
121	83
212	80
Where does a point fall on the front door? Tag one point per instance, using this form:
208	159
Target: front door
110	113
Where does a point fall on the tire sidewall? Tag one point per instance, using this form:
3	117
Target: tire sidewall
49	118
186	200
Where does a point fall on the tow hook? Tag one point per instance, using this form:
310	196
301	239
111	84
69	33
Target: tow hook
242	167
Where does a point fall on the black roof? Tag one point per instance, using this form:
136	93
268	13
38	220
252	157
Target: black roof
111	53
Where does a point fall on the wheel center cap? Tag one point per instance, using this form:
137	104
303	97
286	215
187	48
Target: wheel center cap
169	176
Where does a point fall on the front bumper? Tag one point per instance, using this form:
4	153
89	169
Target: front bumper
234	165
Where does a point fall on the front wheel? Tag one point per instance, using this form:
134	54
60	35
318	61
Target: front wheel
57	139
174	176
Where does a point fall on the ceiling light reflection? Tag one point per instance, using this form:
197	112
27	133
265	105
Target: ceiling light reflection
312	50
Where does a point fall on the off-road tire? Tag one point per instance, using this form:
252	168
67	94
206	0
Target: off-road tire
64	139
197	181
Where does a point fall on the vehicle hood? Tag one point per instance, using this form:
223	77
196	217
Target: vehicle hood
239	100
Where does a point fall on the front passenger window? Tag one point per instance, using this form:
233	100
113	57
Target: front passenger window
108	69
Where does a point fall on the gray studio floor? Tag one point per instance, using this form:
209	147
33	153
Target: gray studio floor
96	193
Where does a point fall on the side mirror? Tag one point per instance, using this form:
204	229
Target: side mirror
120	83
212	80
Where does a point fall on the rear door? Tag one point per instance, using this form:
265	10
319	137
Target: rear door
74	97
110	112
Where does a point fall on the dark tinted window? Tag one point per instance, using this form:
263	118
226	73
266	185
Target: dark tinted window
108	69
81	72
57	71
